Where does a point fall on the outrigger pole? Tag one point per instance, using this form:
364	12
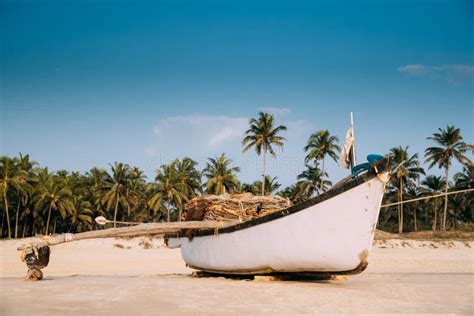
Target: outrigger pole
36	254
427	197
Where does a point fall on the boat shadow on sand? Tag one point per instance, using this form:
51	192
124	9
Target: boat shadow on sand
293	277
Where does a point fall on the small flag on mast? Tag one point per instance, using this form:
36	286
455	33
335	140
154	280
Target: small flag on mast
348	154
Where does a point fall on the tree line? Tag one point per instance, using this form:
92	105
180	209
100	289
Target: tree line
37	201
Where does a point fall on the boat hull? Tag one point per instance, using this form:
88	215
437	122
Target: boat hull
334	235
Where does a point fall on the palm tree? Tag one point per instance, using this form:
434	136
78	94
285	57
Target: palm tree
462	181
134	190
10	177
116	186
321	144
189	176
433	185
97	179
407	170
451	146
154	200
81	216
271	185
220	175
248	187
26	166
291	192
310	181
54	195
413	192
168	190
262	135
43	175
465	180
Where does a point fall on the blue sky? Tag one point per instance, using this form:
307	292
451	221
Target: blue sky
87	83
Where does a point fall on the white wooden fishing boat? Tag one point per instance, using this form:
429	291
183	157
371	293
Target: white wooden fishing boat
330	233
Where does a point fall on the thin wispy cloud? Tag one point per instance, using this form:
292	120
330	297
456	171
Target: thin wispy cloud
454	73
216	130
275	110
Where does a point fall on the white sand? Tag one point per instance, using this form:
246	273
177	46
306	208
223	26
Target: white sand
105	277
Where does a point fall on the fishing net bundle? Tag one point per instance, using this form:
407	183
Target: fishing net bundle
242	207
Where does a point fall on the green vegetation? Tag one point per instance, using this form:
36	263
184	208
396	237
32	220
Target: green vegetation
221	178
451	146
37	201
263	136
406	170
321	144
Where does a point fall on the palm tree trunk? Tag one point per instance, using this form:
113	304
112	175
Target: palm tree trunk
3	224
116	209
435	213
264	167
16	219
445	214
49	217
168	214
415	228
322	177
29	223
400	219
6	211
24	227
129	209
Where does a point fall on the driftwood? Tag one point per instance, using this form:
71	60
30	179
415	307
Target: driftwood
131	231
233	207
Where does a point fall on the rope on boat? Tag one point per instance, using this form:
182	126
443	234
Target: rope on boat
427	197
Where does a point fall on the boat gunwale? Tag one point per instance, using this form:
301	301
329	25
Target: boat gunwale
377	168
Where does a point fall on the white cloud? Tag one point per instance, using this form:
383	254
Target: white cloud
216	130
275	110
454	73
225	134
417	69
298	128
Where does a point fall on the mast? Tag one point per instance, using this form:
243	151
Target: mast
353	156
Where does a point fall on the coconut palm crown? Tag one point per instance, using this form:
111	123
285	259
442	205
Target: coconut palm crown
271	185
221	177
309	181
168	190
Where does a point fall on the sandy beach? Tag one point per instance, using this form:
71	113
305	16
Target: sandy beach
141	276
